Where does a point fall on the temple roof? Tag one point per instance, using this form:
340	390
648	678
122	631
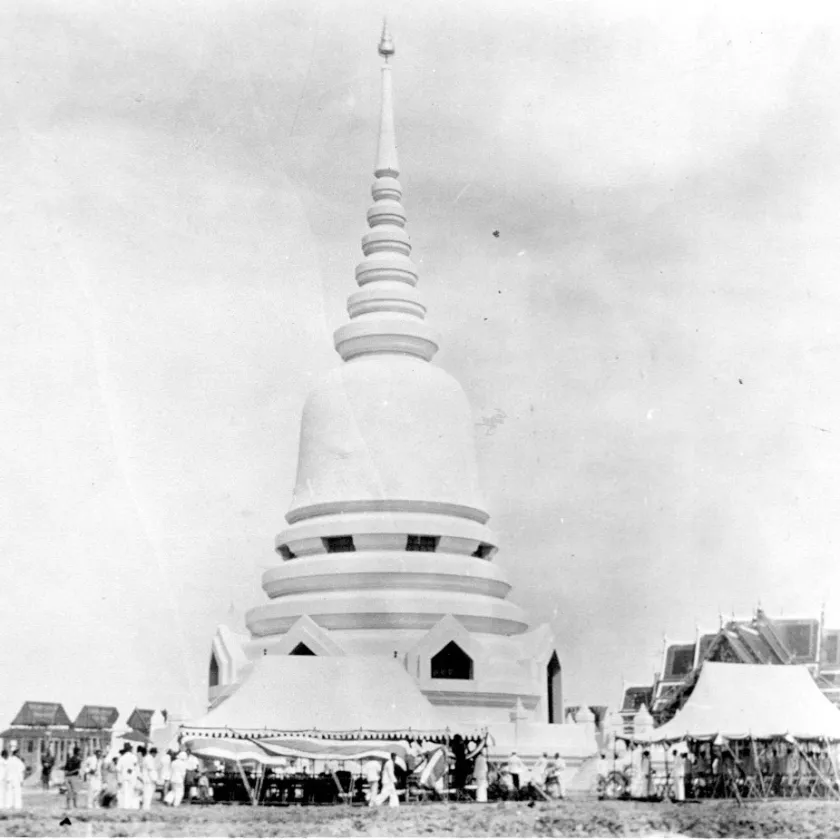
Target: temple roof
96	717
33	713
141	720
635	696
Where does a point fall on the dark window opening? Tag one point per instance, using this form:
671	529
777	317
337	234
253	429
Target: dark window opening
799	639
300	649
830	650
554	676
682	662
452	663
421	542
483	551
337	545
214	671
285	552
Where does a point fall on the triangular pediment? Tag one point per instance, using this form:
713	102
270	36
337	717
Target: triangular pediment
723	650
309	635
446	631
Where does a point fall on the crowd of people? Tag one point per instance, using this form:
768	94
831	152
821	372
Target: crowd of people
545	778
736	768
128	780
135	776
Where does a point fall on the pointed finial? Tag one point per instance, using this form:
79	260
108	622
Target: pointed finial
386	42
387	314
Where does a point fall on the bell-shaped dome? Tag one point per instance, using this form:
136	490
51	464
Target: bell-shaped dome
387	431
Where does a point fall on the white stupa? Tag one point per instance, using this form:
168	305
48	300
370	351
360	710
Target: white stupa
387	550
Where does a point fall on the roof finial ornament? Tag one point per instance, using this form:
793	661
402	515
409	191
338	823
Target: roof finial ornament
386	42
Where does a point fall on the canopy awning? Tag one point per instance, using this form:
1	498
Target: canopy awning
349	698
735	701
275	751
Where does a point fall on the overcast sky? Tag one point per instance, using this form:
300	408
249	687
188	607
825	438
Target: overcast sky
650	345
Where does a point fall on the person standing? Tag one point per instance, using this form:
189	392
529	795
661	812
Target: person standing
560	768
4	760
110	783
373	772
389	783
516	769
679	776
149	775
191	779
538	771
165	773
127	778
92	775
177	777
47	764
15	771
552	780
72	772
480	773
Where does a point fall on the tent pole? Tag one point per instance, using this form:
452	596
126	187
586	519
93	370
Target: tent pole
260	781
245	781
757	765
818	772
831	749
731	781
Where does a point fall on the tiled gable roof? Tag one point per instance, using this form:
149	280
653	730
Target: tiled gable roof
96	717
33	713
141	720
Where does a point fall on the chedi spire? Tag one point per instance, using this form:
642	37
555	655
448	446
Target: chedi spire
386	314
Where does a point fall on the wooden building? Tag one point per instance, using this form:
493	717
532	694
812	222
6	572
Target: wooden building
39	728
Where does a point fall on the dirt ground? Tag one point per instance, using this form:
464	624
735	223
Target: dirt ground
575	818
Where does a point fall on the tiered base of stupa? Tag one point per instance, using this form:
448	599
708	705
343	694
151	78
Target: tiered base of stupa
510	685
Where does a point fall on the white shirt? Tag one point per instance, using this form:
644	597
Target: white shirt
193	763
372	771
538	770
389	778
15	770
515	765
150	773
179	771
92	767
126	766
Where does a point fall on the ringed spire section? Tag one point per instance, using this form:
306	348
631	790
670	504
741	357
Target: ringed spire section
387	314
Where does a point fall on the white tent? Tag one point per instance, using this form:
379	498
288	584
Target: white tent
362	696
753	701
